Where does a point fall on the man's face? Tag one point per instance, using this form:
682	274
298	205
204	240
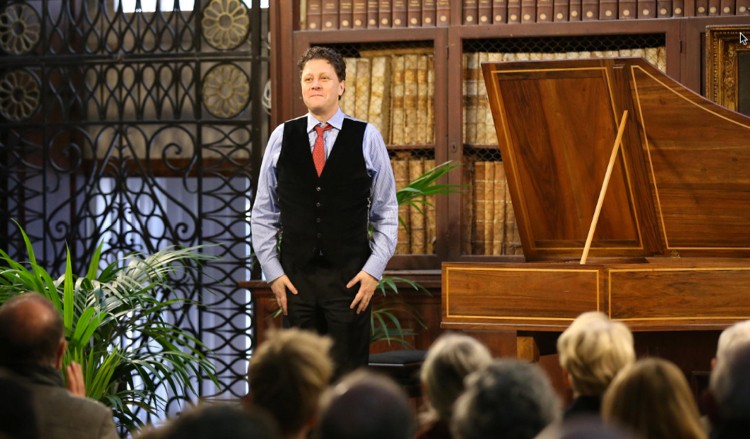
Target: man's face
321	88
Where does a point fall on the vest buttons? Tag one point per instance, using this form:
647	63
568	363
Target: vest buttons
317	220
318	188
317	204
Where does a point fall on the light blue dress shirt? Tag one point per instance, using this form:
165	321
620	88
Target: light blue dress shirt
265	221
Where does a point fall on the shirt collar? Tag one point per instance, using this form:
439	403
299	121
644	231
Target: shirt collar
337	121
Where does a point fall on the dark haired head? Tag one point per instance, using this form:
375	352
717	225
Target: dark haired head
325	53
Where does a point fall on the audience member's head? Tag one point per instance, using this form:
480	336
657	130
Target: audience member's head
507	399
653	399
17	418
365	405
593	350
217	421
739	333
31	332
287	374
584	427
729	388
449	360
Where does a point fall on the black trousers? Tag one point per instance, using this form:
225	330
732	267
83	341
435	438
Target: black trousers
322	305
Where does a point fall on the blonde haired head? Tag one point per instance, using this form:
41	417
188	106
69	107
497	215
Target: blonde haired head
593	350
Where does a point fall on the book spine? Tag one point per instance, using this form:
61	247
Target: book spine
646	9
728	7
314	10
430	99
544	11
330	14
410	99
484	12
348	99
470	78
607	9
397	100
359	14
678	8
589	10
372	13
575	10
477	235
498	214
489	206
469	9
561	9
482	102
346	14
400	166
416	214
442	12
428	13
499	11
414	13
514	11
714	8
430	217
664	8
362	97
422	98
398	18
661	58
528	11
467	208
385	13
627	9
379	112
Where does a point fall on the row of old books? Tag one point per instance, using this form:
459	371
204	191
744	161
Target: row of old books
417	231
479	128
531	11
489	226
394	92
361	14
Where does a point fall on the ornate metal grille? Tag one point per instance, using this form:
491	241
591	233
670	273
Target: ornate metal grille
141	129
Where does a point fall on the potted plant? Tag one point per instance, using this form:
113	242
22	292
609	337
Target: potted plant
386	321
116	326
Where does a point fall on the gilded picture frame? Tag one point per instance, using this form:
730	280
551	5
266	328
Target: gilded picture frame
728	66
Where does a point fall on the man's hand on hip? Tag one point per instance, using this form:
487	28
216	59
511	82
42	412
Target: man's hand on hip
367	285
279	287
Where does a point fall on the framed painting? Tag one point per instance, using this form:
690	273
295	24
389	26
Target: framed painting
728	66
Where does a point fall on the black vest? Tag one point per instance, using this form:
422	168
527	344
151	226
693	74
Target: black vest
323	218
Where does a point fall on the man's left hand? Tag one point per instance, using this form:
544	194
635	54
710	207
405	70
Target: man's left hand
367	285
74	376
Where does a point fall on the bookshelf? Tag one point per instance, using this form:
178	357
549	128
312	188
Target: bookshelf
451	43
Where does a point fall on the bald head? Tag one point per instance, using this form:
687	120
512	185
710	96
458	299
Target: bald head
31	331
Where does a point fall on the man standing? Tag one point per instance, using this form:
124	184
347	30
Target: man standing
324	181
32	345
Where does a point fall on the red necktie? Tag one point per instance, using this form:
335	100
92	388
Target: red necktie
319	149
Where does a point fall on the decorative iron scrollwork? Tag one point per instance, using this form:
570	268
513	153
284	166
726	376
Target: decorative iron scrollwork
19	95
225	23
226	91
19	29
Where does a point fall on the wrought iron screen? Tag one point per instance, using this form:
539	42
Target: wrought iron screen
142	130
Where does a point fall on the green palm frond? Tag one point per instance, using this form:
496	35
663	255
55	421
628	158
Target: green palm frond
116	327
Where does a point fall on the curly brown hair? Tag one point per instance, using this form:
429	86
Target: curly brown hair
328	54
